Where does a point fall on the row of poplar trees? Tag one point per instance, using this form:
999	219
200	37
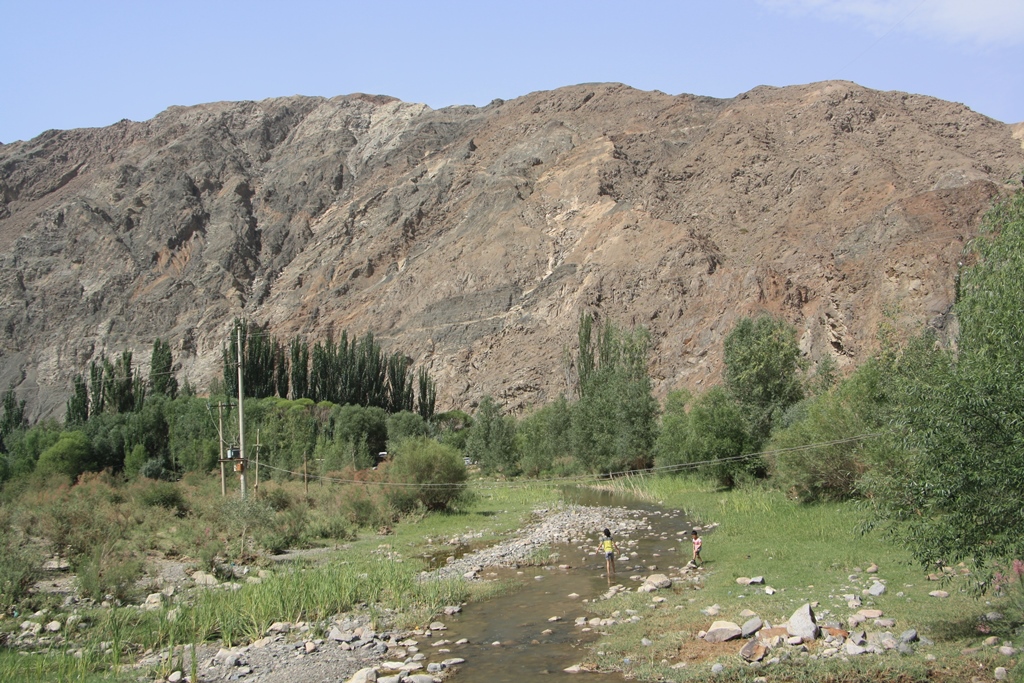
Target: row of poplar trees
350	371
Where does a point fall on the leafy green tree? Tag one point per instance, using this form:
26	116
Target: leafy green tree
70	456
193	443
259	374
161	370
672	446
13	416
808	457
404	425
826	375
614	420
426	398
453	428
955	491
288	433
491	440
427	474
96	392
135	460
107	438
762	360
399	389
299	350
149	428
365	431
543	440
718	437
25	446
78	405
123	388
280	369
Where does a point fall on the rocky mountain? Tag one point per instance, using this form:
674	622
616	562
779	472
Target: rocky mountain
472	238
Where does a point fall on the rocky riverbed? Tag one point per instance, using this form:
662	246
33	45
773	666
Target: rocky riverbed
349	646
352	649
569	524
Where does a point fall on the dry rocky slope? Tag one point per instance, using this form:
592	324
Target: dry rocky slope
472	238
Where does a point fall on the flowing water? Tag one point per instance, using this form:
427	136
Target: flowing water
506	639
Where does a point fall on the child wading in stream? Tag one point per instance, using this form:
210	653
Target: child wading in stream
696	548
608	546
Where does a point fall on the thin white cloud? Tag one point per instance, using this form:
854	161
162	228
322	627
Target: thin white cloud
982	22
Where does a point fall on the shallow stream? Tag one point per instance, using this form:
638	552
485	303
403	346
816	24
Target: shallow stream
506	633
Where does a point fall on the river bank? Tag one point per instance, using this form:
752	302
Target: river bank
541	604
477	647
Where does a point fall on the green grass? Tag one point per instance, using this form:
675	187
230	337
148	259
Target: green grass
63	664
377	573
806	553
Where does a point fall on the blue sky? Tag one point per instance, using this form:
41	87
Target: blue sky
94	62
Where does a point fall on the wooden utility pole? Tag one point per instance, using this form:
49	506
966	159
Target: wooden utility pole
220	433
256	486
241	415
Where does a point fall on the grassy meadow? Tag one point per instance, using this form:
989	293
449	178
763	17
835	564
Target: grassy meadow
807	553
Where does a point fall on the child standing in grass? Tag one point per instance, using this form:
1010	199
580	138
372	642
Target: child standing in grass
696	548
608	546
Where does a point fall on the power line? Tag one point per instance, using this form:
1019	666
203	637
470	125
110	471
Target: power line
679	467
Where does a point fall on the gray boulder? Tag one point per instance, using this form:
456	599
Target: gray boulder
908	636
753	651
752	626
722	631
803	623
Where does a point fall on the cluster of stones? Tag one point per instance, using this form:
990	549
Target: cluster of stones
802	629
569	524
766	644
396	655
39	631
408	665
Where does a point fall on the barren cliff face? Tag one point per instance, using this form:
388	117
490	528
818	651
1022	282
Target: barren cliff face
472	238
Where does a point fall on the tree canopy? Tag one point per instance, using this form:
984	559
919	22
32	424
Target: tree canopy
955	488
761	363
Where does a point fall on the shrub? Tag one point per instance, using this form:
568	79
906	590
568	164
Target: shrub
288	530
277	498
78	519
166	495
19	566
109	571
366	510
208	555
426	473
834	471
334	527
